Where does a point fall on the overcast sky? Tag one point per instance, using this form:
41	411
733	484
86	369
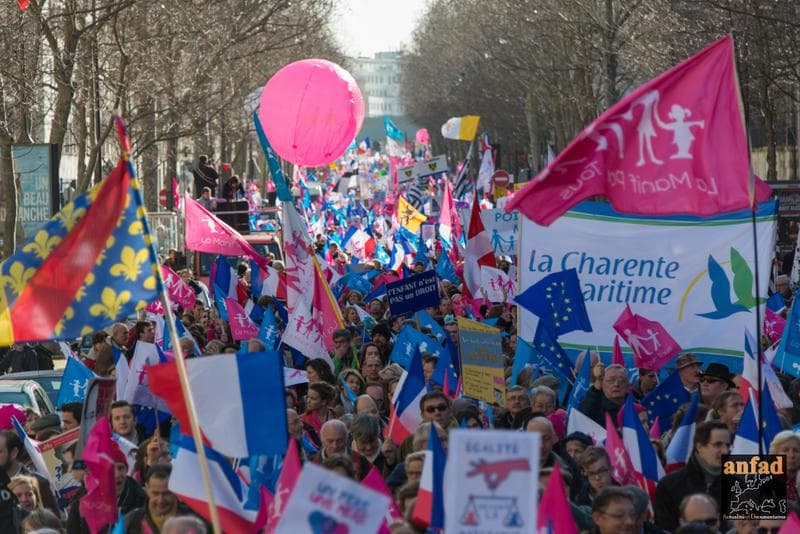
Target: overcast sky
364	27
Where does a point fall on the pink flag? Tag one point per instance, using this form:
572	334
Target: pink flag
773	325
99	505
324	309
179	291
652	346
792	524
621	464
285	486
176	194
479	250
375	481
657	151
242	327
554	514
206	233
449	225
616	357
655	429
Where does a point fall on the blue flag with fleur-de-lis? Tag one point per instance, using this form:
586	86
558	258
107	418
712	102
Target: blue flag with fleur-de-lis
557	300
92	264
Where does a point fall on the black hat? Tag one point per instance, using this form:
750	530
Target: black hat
721	371
46	421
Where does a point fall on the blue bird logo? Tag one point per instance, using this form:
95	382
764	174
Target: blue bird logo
721	288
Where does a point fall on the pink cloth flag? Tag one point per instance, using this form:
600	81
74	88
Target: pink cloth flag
285	486
655	429
621	464
616	356
773	325
206	233
791	525
658	151
554	514
242	327
449	225
652	346
375	481
99	505
179	291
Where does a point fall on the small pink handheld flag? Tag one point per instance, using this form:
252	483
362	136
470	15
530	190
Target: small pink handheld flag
658	150
652	345
554	514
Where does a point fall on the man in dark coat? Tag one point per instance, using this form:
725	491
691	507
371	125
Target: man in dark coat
608	400
712	440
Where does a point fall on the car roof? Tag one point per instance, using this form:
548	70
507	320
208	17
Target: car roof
28	375
16	385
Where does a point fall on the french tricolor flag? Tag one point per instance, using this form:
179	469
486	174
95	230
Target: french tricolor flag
229	491
680	447
643	457
429	509
230	393
405	412
746	439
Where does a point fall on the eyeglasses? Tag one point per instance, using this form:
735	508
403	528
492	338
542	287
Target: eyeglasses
710	521
436	408
768	530
708	380
600	472
622	515
615	380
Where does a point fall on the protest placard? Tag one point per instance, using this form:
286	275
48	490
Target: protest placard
57	457
99	395
491	479
413	293
481	361
323	501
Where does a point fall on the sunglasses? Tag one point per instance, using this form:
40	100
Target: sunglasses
709	380
437	408
768	530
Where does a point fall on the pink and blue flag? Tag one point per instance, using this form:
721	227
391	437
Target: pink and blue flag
554	514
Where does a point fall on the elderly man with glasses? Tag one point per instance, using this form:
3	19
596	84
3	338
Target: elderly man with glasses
610	398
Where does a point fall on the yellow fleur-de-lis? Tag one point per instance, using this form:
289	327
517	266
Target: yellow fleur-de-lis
42	244
136	228
92	194
17	277
130	263
69	216
69	313
150	282
111	303
86	283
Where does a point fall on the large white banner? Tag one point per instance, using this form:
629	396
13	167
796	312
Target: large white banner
693	275
490	482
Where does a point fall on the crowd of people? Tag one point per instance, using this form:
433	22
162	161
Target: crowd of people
338	416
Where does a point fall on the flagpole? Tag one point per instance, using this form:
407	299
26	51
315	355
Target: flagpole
758	350
183	375
170	322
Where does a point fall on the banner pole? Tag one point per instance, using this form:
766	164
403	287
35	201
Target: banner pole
125	150
758	351
183	375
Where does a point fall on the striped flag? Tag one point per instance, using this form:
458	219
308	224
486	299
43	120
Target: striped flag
463	183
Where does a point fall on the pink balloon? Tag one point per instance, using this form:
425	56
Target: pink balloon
311	110
422	136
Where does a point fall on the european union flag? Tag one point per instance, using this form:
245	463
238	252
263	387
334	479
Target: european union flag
662	402
546	346
558	301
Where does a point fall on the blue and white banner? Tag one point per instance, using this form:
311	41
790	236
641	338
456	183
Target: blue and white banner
501	227
693	275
